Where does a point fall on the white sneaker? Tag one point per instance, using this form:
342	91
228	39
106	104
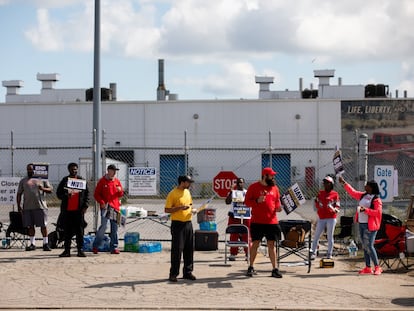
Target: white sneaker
312	257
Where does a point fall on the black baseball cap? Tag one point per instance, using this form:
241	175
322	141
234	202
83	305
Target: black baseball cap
112	167
185	178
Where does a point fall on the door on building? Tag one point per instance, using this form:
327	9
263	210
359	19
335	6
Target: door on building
171	166
281	164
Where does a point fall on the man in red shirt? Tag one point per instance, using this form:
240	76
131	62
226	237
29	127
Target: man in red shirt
108	193
74	204
264	198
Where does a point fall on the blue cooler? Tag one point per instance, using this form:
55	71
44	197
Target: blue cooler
208	226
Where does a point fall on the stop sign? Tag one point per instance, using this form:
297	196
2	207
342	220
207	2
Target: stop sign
223	183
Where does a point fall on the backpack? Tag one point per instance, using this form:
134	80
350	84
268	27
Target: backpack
295	237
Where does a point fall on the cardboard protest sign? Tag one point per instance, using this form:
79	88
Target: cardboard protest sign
292	199
337	163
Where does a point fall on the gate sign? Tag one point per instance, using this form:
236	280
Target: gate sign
8	190
384	175
223	183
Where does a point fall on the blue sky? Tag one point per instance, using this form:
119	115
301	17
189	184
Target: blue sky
212	49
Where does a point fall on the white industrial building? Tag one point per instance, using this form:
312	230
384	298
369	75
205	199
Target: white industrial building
276	120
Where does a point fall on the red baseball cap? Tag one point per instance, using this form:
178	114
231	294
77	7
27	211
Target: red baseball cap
268	171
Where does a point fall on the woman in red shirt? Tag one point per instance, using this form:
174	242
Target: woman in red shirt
368	215
327	206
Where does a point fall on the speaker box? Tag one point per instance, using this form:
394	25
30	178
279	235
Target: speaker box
205	240
326	263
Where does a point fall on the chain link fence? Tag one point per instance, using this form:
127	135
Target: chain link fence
305	166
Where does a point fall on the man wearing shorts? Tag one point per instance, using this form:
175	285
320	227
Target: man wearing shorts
264	198
34	210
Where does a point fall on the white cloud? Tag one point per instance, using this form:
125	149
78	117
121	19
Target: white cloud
234	34
46	35
343	29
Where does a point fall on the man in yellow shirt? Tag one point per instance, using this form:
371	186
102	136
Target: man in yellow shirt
179	204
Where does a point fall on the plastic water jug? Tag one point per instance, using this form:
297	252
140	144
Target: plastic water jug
353	249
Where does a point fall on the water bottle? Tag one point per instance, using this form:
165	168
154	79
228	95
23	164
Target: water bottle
353	249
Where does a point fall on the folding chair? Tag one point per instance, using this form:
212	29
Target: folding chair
15	232
345	231
391	249
238	229
301	250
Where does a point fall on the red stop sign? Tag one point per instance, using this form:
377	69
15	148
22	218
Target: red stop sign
223	183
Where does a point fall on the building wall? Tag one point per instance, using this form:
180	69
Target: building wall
261	124
303	123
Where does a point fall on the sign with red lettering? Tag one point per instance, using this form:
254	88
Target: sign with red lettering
224	182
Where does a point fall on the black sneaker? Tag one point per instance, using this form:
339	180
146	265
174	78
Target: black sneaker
81	254
189	276
65	254
172	279
250	271
276	273
46	247
31	247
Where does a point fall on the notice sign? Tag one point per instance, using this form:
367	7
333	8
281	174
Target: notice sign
78	184
337	163
8	190
292	198
142	181
41	170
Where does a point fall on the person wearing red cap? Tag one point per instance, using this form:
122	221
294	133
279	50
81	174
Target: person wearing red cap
263	197
327	206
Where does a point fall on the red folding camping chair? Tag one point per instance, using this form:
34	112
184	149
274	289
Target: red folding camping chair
391	243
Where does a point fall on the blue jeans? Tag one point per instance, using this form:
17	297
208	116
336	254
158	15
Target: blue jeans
101	232
329	224
367	239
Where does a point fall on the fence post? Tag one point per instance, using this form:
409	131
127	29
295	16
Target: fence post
362	160
12	152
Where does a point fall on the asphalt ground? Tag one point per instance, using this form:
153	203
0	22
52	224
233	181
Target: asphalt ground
41	280
139	281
